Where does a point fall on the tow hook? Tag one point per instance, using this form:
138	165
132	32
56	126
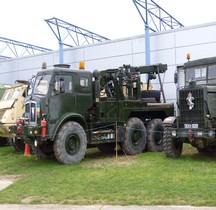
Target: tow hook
190	133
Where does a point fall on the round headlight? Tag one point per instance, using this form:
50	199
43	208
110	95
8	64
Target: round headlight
211	133
173	133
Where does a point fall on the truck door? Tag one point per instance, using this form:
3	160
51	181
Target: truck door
62	99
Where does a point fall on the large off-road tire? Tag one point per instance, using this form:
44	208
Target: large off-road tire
70	143
107	147
135	137
3	141
18	144
155	131
43	150
172	147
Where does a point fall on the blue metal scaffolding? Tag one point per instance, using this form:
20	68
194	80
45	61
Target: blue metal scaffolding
11	48
155	19
71	35
2	57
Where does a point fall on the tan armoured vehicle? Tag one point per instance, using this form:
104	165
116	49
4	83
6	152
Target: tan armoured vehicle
11	108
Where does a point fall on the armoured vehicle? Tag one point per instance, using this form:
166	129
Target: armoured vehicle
70	110
11	107
195	123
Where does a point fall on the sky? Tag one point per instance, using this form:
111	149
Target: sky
23	20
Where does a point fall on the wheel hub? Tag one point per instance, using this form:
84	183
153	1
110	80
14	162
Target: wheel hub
136	138
72	145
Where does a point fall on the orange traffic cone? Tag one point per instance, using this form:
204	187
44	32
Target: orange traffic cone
27	150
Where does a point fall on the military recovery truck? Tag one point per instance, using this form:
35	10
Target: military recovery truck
11	107
196	100
70	110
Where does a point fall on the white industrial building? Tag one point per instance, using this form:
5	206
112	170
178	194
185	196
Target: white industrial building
168	47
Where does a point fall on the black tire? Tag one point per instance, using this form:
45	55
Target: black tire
107	147
18	144
155	131
44	150
172	147
9	141
3	141
70	143
135	137
203	150
151	94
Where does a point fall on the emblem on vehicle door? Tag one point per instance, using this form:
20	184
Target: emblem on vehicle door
189	99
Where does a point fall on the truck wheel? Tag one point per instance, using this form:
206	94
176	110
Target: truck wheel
155	130
135	137
3	141
70	143
171	147
107	147
44	150
18	144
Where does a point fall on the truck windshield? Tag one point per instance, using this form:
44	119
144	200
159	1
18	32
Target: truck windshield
201	74
41	86
211	74
197	74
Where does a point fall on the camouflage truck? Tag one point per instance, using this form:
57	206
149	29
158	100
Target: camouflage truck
195	123
70	110
12	107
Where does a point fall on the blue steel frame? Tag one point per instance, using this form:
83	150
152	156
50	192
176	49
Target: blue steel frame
155	19
76	36
2	57
16	48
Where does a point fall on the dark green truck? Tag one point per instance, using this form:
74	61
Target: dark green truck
70	110
195	123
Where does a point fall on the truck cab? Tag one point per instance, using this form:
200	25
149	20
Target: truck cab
57	95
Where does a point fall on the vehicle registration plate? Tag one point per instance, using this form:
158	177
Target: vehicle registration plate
191	126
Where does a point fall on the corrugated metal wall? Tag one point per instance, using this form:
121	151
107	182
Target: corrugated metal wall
169	47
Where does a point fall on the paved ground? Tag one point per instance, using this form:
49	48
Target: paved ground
99	207
4	184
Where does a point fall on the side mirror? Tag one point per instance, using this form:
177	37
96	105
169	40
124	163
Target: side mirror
62	85
175	78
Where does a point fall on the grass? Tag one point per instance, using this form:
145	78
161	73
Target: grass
144	179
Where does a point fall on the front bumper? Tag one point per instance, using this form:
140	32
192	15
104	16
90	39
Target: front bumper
26	132
193	133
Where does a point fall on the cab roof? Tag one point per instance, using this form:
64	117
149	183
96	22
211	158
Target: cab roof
200	62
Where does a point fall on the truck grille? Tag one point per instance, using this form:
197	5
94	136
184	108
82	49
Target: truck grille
30	111
197	113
